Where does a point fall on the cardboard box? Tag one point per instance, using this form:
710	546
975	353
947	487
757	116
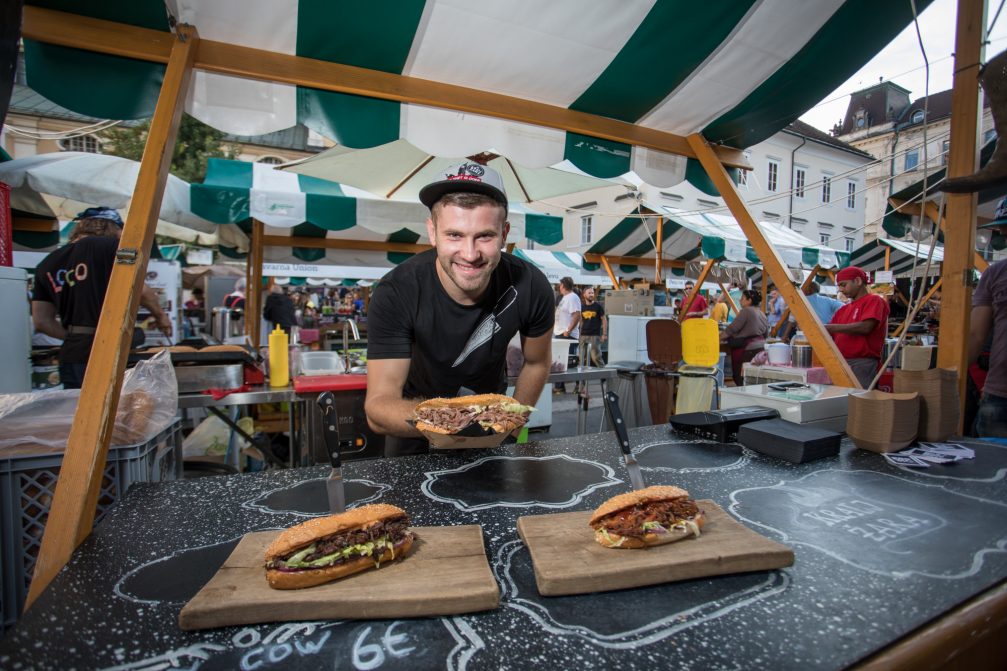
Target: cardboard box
917	357
634	302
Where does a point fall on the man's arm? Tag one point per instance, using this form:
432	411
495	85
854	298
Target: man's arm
865	327
604	327
537	359
148	299
979	330
43	317
574	320
384	406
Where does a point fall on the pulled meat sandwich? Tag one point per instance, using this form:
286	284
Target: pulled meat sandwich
328	548
494	413
651	516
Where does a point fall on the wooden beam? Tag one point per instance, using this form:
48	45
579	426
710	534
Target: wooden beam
72	30
34	224
820	339
730	299
510	247
258	229
658	246
888	257
79	485
765	292
339	243
608	270
634	260
963	159
703	274
927	296
978	261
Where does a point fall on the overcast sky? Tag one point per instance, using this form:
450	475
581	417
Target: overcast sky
902	61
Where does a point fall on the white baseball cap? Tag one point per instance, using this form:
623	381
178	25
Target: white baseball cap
467	177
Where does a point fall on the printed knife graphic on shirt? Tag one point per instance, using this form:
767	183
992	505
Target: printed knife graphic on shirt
487	327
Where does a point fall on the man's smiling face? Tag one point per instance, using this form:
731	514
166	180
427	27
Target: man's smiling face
469	243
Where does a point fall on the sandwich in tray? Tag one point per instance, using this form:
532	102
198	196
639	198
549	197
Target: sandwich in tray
491	417
645	517
328	548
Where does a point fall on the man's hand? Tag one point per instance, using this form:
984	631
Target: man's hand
163	324
384	406
604	337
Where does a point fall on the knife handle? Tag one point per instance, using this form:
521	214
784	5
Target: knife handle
615	418
330	427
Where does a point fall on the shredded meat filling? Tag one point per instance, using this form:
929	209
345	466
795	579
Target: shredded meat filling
448	418
629	521
396	529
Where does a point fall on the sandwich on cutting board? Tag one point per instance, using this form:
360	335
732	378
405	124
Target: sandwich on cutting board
645	517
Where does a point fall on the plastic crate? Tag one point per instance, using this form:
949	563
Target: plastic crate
27	485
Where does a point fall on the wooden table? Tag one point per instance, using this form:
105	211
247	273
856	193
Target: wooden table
893	568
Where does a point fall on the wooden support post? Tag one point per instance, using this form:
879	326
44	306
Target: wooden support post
695	290
765	291
255	288
730	299
608	270
960	232
79	485
510	247
888	257
927	296
820	339
658	247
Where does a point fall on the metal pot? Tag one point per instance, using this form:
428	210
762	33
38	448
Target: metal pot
800	356
227	323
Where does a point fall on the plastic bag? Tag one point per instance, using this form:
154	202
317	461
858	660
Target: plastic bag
210	439
39	422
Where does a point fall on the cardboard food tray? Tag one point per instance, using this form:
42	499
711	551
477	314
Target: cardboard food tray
446	573
568	560
442	441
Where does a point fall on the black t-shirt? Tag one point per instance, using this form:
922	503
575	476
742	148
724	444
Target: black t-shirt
451	345
74	279
590	318
279	309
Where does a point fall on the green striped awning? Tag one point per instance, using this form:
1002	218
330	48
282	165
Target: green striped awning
904	256
736	71
288	204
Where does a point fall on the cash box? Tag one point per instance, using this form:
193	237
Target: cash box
796	443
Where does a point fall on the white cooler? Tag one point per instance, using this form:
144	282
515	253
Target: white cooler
819	405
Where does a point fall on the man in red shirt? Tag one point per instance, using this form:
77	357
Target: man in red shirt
860	326
699	305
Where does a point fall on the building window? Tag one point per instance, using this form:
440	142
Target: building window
87	143
849	244
771	216
585	230
826	188
918	116
270	160
945	150
800	176
773	175
912	159
824	237
851	195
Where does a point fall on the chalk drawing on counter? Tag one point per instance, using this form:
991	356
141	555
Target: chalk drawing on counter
175	578
555	481
685	604
878	522
448	643
308	498
691	456
989	458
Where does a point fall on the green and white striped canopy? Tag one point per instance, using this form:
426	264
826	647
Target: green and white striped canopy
904	255
736	71
288	204
690	236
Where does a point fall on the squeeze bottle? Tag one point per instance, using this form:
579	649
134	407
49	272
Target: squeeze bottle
279	361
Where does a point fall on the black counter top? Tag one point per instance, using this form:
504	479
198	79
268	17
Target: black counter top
880	551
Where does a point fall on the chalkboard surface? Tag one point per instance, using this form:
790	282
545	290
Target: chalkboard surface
879	552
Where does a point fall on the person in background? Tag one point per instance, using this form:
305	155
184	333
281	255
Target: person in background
824	306
746	334
989	316
236	299
358	302
860	326
594	330
699	305
279	309
197	301
776	307
719	311
566	325
70	283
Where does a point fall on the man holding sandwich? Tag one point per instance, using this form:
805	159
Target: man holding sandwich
439	323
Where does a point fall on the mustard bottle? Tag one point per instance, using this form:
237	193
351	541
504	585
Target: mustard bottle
279	359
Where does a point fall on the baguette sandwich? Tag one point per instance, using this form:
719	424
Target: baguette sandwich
492	412
328	548
645	517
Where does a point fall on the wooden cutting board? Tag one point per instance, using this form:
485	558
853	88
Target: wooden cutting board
446	573
568	560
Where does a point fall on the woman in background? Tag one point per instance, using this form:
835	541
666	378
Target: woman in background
746	334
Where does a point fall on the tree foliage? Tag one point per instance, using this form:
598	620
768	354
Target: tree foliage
196	142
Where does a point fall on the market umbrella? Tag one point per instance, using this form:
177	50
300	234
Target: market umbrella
398	170
63	184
